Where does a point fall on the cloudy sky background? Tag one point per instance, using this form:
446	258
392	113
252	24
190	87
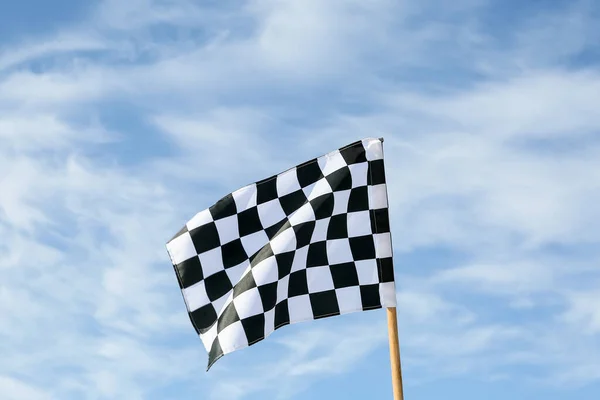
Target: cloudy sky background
121	119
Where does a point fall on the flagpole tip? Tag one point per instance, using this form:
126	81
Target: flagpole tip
381	139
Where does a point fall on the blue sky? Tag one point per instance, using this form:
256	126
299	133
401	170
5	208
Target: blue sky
121	119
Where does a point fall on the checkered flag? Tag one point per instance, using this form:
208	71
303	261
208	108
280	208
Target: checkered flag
308	243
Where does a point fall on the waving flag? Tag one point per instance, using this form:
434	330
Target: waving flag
308	243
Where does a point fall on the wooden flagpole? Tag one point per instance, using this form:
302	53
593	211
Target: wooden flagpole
392	319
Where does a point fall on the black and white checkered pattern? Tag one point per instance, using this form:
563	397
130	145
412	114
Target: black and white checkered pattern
311	242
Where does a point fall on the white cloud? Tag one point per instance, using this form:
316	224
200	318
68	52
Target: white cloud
311	37
519	107
584	311
51	89
418	307
503	277
571	33
63	44
14	389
